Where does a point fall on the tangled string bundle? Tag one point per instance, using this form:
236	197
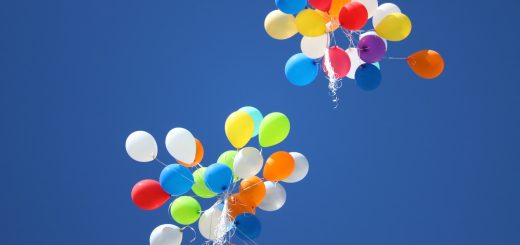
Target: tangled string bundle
232	180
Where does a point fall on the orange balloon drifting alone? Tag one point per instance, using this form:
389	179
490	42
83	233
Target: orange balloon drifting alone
199	154
252	190
427	64
279	166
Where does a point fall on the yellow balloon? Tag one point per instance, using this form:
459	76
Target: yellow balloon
336	6
239	128
280	25
310	23
394	27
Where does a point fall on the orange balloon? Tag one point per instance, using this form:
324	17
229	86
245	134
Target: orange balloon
332	23
252	190
279	166
427	64
336	6
199	154
236	206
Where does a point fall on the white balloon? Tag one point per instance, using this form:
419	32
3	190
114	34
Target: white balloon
315	47
382	11
180	143
355	62
371	6
214	224
301	168
166	235
141	146
368	33
248	162
274	197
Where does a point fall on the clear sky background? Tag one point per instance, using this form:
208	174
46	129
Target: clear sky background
415	162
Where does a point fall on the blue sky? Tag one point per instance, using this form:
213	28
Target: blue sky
414	162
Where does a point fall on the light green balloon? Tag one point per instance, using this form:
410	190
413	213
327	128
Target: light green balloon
228	158
185	210
274	129
199	188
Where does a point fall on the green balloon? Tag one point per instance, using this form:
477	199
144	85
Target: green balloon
199	188
228	158
185	210
274	129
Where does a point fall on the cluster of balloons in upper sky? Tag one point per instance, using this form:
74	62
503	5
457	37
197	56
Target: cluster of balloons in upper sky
319	22
231	179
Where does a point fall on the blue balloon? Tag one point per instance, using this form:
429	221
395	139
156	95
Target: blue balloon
176	179
291	6
368	77
218	177
248	226
256	115
300	70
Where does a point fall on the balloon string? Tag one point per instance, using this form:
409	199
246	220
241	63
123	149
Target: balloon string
396	58
159	161
194	232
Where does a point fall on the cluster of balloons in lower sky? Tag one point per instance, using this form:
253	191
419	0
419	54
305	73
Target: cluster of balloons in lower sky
320	22
231	180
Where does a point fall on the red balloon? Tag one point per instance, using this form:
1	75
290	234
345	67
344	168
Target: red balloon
323	5
339	61
149	195
353	16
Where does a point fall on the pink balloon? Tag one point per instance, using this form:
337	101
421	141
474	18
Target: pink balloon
339	61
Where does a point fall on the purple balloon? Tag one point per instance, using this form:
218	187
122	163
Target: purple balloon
371	49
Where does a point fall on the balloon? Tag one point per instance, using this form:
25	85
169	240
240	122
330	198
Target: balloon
353	16
339	62
199	154
280	25
239	128
323	5
252	190
256	115
176	179
370	5
371	49
274	129
274	198
291	6
427	64
382	11
394	27
336	6
228	159
355	61
148	195
213	223
248	226
279	166
301	168
218	177
368	77
300	70
236	205
180	143
248	162
315	47
141	146
373	33
332	23
310	23
166	235
199	187
185	210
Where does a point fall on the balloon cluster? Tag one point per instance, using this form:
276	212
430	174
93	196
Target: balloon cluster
231	179
318	22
